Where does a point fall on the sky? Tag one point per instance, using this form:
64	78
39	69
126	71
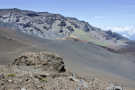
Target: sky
117	15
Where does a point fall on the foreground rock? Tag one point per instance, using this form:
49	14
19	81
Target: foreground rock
42	60
45	71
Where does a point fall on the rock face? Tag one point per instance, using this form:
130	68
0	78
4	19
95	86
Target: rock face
44	71
56	26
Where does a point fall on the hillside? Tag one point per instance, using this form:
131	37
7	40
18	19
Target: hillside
55	26
80	57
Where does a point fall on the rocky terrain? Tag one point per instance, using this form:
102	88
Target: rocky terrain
91	59
84	59
55	26
46	71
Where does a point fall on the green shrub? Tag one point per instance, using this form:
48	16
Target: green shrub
43	79
11	75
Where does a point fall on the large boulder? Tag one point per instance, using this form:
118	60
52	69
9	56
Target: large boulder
44	60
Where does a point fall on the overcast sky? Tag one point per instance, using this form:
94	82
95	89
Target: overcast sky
118	15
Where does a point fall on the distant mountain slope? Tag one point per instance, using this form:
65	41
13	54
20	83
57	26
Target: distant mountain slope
56	26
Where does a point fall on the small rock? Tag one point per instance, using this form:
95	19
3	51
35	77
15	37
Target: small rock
73	79
114	87
2	76
10	81
83	83
23	89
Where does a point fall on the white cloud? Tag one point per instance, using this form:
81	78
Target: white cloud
127	31
125	35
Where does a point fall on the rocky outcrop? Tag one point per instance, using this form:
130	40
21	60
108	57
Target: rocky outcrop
42	60
44	71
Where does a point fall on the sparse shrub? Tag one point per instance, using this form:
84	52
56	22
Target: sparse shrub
11	75
43	79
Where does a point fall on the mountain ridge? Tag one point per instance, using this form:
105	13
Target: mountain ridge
55	26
